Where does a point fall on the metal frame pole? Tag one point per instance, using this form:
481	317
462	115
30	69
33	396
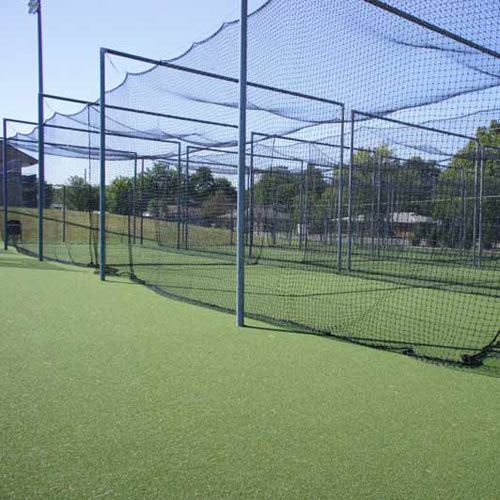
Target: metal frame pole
243	27
251	201
64	214
341	189
247	205
89	144
374	183
306	210
142	201
240	284
41	158
476	199
480	215
349	200
301	204
379	201
329	219
392	189
4	187
102	164
134	199
463	179
231	226
129	232
95	104
274	216
186	202
179	187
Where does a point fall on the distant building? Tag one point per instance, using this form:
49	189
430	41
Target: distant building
404	224
16	161
266	219
401	224
410	218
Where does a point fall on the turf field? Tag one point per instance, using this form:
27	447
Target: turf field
435	304
109	390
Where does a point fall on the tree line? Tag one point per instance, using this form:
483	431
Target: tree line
383	185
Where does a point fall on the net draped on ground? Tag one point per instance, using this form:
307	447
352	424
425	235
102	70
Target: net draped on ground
372	182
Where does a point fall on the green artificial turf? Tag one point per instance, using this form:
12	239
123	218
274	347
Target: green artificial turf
108	390
435	303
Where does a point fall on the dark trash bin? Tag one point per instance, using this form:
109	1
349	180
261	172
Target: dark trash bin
14	231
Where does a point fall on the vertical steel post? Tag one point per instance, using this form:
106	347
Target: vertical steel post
142	200
240	254
41	156
476	199
388	222
329	219
341	189
379	201
274	212
301	204
64	214
134	198
186	202
464	211
349	198
480	215
231	226
4	187
179	187
247	205
306	210
374	184
128	219
102	164
89	144
251	202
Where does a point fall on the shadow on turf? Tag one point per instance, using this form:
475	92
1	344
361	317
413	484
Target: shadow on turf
490	368
122	281
284	330
22	263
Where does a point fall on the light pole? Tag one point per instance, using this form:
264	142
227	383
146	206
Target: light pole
35	7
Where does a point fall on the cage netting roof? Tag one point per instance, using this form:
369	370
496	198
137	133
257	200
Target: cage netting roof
355	52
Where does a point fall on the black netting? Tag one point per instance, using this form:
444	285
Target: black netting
189	212
376	61
423	228
382	229
470	19
22	199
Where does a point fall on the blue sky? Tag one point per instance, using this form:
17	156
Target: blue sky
74	31
290	56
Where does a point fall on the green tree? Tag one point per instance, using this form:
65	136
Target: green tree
416	182
224	185
80	195
365	165
201	184
48	195
157	189
119	196
277	187
216	205
455	194
30	191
